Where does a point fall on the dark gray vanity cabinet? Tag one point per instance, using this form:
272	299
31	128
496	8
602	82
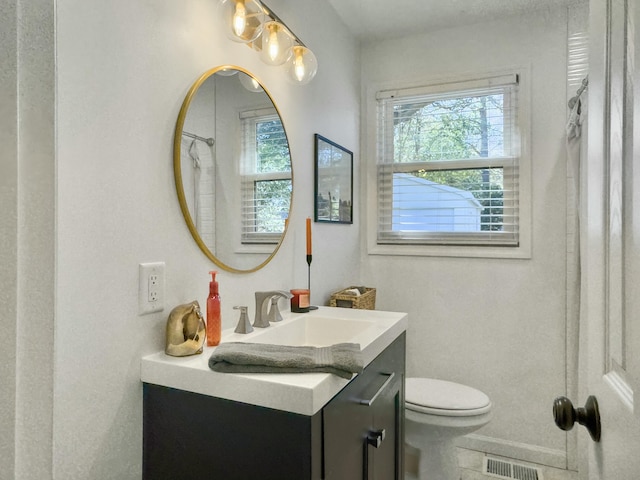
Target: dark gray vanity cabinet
357	435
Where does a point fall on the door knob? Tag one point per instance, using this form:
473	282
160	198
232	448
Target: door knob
565	415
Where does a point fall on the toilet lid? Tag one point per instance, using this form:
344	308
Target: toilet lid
433	396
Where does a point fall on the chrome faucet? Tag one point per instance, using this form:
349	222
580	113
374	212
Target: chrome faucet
262	299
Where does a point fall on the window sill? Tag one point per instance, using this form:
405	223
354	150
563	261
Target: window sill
521	252
266	248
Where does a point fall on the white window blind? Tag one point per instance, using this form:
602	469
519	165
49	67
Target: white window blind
265	177
448	164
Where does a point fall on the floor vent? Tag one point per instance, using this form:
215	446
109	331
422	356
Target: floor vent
504	469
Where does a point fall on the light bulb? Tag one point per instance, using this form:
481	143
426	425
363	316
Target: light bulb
240	19
276	42
274	48
302	65
298	66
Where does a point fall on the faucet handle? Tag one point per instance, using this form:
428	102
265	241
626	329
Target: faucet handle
274	312
244	326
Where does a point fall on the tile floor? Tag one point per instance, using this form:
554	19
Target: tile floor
470	463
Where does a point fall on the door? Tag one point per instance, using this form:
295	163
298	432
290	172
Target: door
610	322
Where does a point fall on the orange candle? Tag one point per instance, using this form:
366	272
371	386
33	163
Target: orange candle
308	236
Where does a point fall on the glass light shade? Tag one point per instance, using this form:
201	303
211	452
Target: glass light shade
250	83
276	42
242	18
227	72
302	65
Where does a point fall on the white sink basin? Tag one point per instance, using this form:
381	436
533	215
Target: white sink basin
317	331
306	393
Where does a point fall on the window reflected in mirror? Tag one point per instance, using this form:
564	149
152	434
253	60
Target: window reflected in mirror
266	177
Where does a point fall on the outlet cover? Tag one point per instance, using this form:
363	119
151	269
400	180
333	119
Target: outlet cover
150	288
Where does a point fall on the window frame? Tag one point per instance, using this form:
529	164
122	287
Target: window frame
459	249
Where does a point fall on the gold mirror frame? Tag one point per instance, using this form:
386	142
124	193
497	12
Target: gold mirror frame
177	171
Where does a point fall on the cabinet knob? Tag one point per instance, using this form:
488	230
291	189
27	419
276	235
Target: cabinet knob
376	437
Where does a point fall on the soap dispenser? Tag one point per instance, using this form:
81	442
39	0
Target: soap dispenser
214	322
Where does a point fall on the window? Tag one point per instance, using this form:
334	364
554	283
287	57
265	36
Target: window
448	164
265	177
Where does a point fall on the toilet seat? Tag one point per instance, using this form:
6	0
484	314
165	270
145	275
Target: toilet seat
440	397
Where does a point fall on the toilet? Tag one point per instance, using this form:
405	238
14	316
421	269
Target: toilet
437	412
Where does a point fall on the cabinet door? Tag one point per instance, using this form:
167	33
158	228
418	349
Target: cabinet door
362	425
385	438
191	436
346	425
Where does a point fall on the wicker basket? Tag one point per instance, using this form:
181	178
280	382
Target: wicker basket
365	301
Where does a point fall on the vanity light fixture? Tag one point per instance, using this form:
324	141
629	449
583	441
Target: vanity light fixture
254	23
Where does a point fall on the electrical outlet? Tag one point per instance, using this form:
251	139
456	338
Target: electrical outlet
153	288
150	287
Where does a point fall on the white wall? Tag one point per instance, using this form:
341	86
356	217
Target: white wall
123	70
495	324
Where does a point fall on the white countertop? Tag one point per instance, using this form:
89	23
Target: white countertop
303	393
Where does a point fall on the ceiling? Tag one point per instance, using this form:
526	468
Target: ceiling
380	19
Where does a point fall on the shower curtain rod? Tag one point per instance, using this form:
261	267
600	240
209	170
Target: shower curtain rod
209	141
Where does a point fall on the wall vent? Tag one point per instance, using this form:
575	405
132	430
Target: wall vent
506	469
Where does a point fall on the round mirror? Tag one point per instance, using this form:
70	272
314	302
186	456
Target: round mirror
233	169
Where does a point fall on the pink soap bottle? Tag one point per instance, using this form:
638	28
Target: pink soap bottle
214	321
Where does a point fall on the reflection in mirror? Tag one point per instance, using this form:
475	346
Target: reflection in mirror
233	169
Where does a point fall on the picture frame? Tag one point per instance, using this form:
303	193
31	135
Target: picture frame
333	190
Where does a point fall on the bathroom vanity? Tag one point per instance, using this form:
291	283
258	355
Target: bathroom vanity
204	424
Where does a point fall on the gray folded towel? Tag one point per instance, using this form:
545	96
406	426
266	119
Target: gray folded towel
342	359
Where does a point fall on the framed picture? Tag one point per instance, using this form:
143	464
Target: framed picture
334	182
